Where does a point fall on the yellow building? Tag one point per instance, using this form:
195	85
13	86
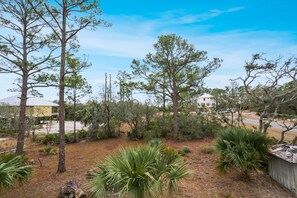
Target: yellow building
36	107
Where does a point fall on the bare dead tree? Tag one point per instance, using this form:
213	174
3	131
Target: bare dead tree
288	125
264	83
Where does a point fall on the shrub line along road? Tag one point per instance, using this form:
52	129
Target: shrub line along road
79	126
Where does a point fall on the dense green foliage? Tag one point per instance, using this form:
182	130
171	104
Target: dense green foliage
243	150
139	172
198	127
94	116
13	169
49	150
190	127
53	138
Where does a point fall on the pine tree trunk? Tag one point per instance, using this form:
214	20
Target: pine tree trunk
23	103
175	116
22	117
74	115
62	163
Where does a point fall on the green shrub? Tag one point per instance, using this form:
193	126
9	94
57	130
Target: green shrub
69	138
169	154
242	150
54	138
8	157
13	169
208	150
138	172
8	132
184	151
160	128
51	139
156	143
82	134
49	150
136	133
197	127
102	134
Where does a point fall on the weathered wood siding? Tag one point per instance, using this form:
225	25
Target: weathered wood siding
283	172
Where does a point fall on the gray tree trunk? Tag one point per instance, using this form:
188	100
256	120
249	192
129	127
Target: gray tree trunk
62	163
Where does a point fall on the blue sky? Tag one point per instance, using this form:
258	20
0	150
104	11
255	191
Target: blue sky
232	30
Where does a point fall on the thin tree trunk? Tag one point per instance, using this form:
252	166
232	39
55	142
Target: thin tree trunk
164	106
109	106
22	117
62	163
283	136
240	119
175	116
74	115
23	103
261	124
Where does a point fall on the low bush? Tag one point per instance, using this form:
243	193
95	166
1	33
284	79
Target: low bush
8	132
136	133
208	150
156	143
82	134
184	151
69	138
243	150
159	128
49	150
102	134
138	172
198	127
13	169
51	139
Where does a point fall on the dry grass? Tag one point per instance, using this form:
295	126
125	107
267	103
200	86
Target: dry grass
8	144
273	132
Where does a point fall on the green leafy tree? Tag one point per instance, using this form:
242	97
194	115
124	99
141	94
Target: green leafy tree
77	87
66	19
176	67
21	39
93	115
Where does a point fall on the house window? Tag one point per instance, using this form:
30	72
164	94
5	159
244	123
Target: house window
203	99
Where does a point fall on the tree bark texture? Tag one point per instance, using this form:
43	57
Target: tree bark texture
62	163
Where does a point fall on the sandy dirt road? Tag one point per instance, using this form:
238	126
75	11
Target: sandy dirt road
54	127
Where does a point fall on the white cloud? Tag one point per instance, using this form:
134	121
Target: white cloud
134	36
189	19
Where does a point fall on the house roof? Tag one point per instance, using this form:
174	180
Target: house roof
31	101
206	96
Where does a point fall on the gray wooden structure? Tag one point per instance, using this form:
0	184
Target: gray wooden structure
282	166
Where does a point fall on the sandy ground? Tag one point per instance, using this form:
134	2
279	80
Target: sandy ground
54	127
204	181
